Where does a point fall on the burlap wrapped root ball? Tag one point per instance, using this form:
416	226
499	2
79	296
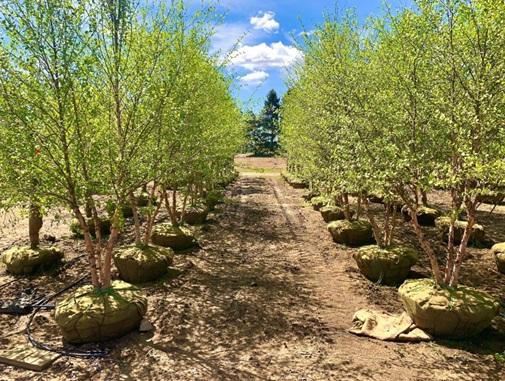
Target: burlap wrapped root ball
477	236
333	213
448	312
228	178
295	181
298	183
311	194
213	198
425	216
351	233
492	198
498	252
389	266
176	237
25	260
91	315
141	201
376	198
319	202
138	264
75	228
194	214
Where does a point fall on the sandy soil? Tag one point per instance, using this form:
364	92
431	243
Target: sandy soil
268	296
266	166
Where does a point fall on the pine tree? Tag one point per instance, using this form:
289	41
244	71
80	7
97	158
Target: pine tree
265	128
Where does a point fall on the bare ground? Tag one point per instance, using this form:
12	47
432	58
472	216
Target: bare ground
268	296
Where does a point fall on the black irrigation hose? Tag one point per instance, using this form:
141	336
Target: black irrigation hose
7	283
98	353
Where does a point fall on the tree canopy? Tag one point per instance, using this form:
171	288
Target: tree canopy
264	128
101	99
410	102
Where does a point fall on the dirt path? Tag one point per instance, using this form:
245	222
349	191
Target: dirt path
267	297
307	291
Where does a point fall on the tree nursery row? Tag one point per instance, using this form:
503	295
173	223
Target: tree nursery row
115	112
409	104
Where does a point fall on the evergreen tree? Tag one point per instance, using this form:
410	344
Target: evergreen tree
264	129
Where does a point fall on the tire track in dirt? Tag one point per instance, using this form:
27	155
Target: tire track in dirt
323	311
324	271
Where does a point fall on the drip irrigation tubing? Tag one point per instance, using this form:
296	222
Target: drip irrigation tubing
7	283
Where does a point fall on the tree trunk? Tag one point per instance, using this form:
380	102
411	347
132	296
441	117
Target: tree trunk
183	210
136	219
88	242
451	251
424	198
90	204
107	258
151	218
425	245
461	253
358	207
451	254
174	205
423	242
375	227
387	218
34	225
87	210
150	225
347	208
97	245
170	209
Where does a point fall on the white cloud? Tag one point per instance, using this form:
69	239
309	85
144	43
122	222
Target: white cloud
307	33
227	35
265	21
255	77
264	56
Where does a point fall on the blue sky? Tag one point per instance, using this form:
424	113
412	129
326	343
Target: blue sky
265	30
